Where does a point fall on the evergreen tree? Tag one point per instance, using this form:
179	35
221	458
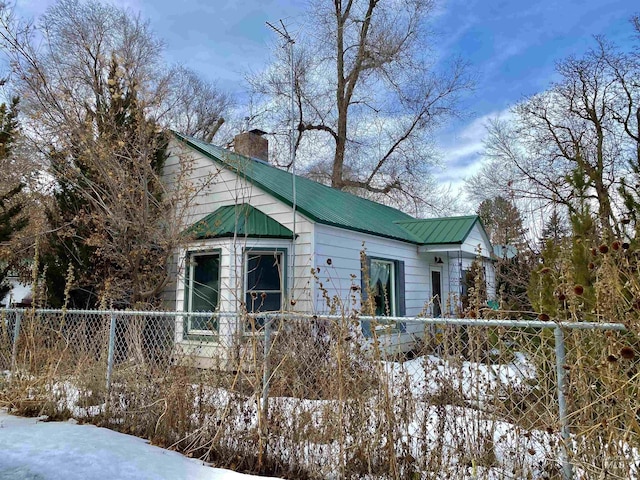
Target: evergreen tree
503	222
543	292
554	228
12	218
564	284
107	204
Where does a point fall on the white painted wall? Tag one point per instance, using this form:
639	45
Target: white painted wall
214	187
464	263
477	242
344	247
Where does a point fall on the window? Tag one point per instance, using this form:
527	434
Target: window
202	291
436	291
385	279
466	281
382	286
264	274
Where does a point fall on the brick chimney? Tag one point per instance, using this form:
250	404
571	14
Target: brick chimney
252	144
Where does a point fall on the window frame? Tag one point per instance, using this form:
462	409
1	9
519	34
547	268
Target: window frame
393	282
398	294
189	332
282	252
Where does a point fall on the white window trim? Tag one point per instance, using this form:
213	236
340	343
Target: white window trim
190	257
392	283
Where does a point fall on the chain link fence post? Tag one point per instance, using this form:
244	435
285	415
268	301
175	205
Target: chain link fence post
112	337
266	374
16	337
567	468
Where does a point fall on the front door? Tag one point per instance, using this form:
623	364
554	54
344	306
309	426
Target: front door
436	291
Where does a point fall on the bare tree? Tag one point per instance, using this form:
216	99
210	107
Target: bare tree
195	107
576	143
367	97
94	89
624	67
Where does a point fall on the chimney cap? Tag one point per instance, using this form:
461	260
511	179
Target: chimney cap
257	131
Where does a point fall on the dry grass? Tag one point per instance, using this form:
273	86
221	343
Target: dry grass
470	400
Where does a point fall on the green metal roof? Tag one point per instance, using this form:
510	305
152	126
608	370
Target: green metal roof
317	202
242	220
329	206
435	231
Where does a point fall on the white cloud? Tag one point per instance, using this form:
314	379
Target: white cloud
468	141
461	152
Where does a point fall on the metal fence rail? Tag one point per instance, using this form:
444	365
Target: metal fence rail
340	397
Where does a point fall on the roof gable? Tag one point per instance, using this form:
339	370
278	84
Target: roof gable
436	231
242	220
317	202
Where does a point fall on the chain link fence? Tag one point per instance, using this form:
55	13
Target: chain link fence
339	397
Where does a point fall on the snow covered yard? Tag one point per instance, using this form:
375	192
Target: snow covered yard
36	450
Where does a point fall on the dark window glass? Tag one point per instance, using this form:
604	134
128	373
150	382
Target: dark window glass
263	272
264	302
264	282
203	323
205	283
436	293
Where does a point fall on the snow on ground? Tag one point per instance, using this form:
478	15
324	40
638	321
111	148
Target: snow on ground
35	450
473	380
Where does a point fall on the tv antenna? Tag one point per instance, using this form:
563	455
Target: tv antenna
282	32
289	42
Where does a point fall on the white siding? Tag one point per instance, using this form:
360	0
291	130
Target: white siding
490	272
210	187
477	242
344	247
16	294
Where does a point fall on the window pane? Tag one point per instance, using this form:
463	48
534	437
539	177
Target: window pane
263	301
436	293
203	323
263	272
205	283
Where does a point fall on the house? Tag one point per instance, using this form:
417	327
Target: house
19	294
262	239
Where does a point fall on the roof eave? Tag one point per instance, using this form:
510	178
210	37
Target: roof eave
231	235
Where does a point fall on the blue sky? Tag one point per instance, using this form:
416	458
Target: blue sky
511	46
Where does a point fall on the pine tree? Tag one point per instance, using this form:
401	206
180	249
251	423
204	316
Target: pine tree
564	284
505	227
502	221
108	199
554	229
12	218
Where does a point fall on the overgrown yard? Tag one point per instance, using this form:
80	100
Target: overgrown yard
471	401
